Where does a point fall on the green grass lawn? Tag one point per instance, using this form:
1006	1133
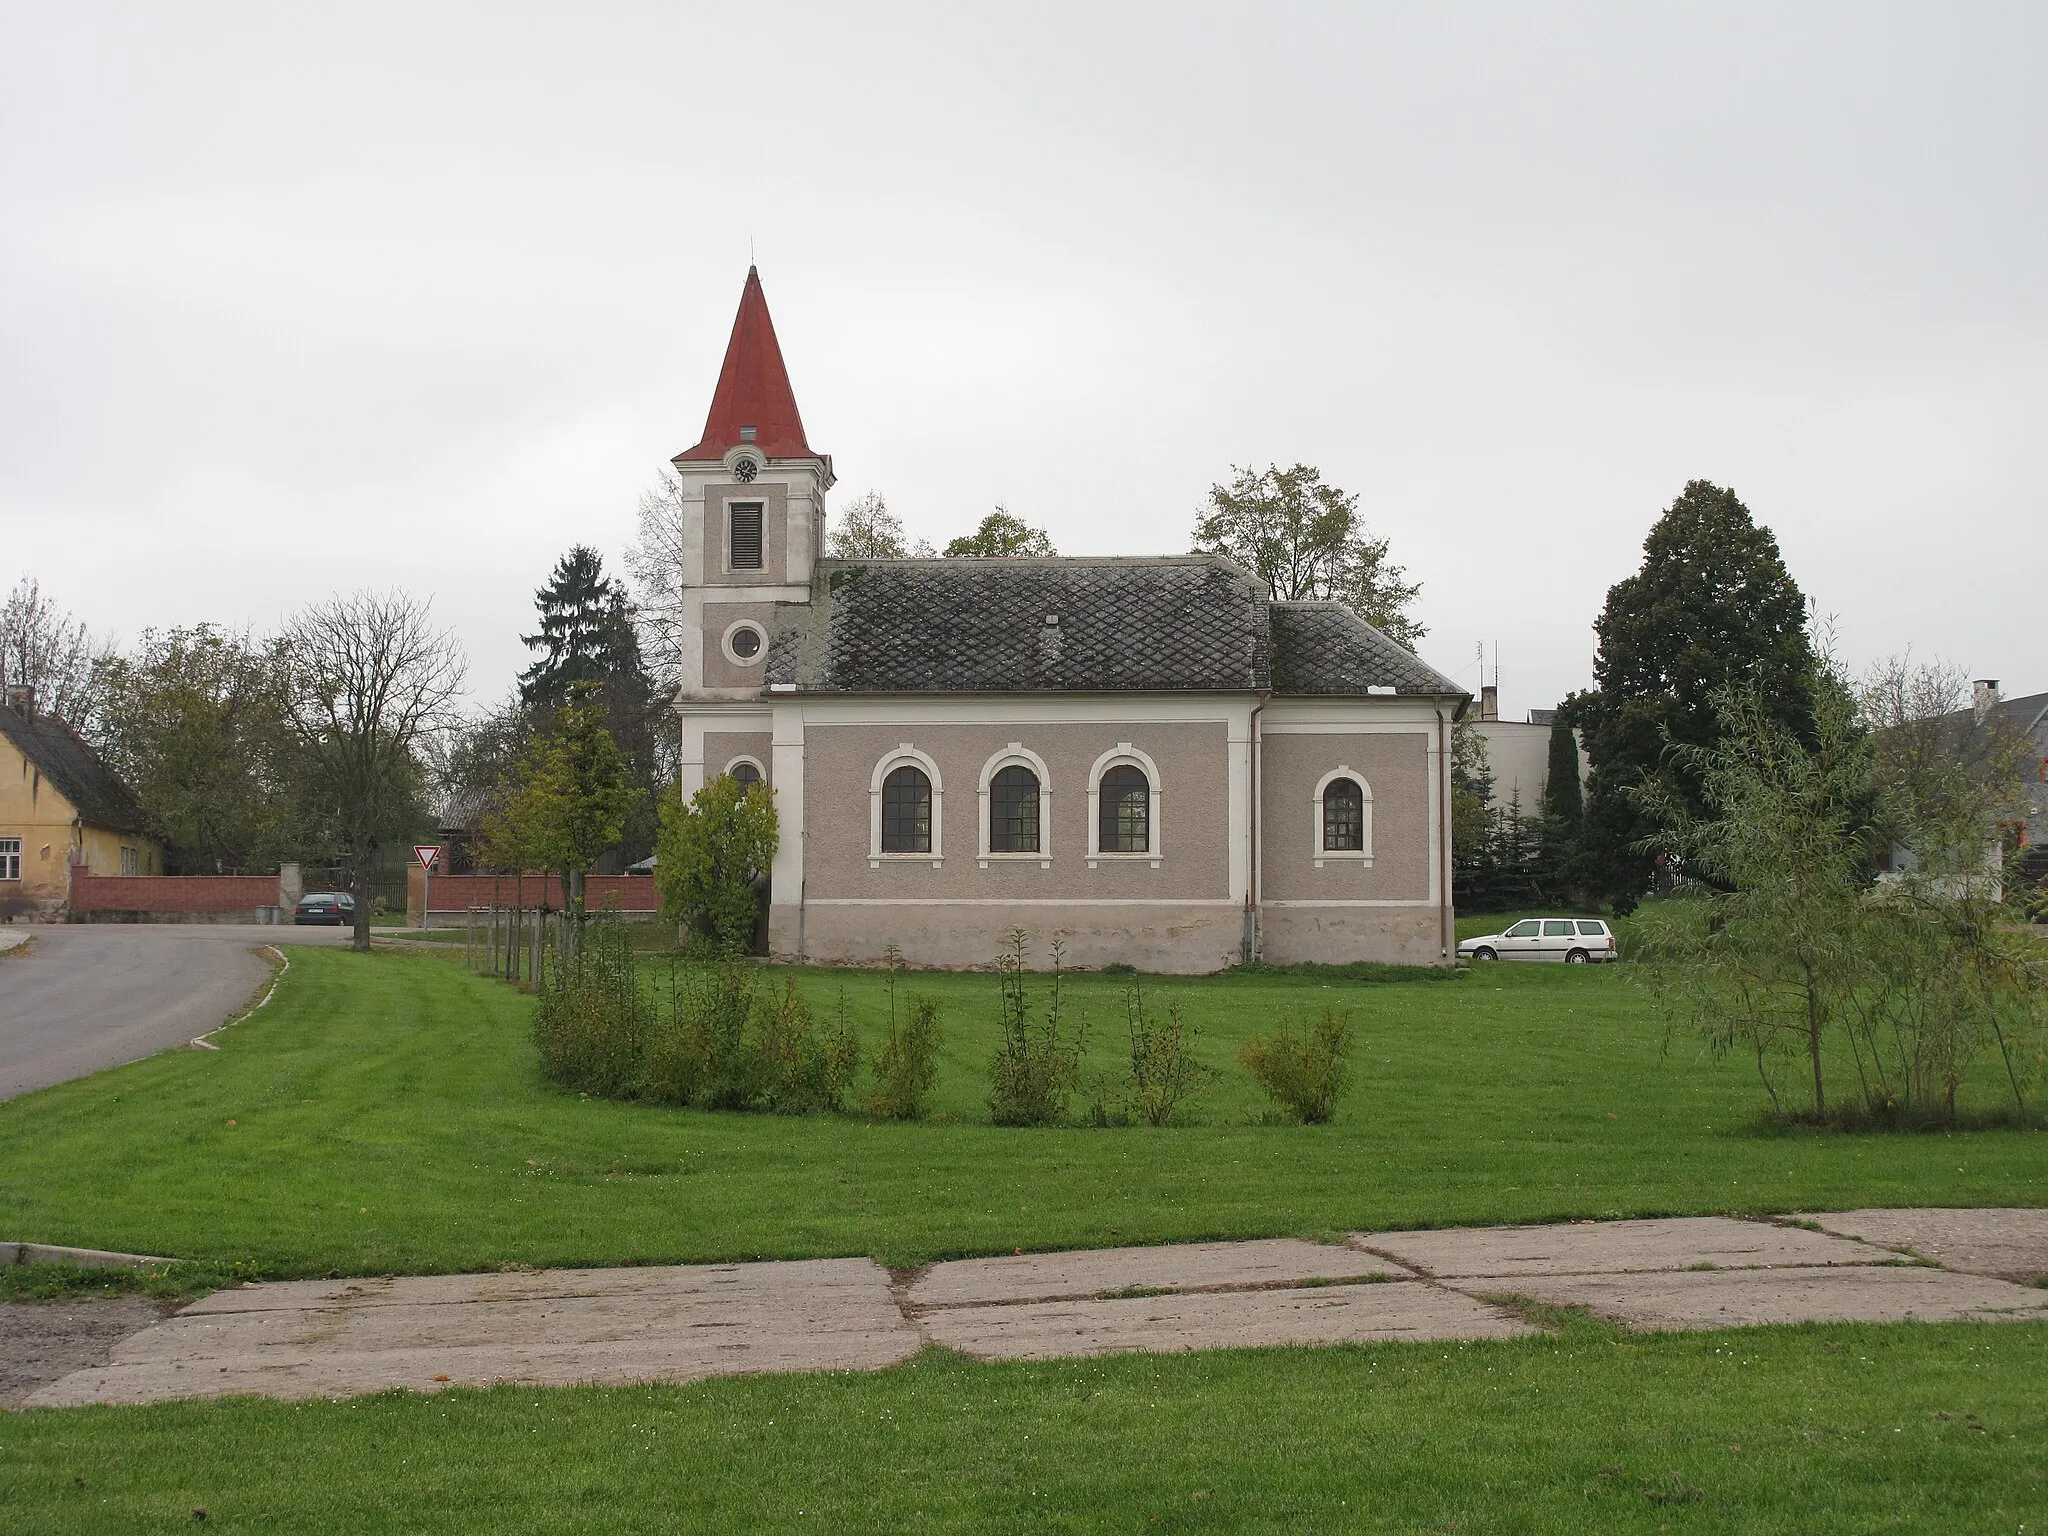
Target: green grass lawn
1936	1429
384	1113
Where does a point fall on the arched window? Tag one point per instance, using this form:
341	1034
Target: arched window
745	774
1343	817
1013	811
907	811
1125	809
1342	807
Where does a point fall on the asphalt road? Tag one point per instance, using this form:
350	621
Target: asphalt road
84	996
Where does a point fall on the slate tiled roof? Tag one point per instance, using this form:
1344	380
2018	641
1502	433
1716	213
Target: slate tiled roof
1171	624
1325	648
99	797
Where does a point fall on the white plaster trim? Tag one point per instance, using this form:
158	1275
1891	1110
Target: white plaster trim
1057	901
1016	754
1359	856
921	709
733	656
749	758
1122	754
890	761
1429	902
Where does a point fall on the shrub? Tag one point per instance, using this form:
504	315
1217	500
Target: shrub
1036	1065
713	853
592	1021
1306	1073
698	1052
908	1064
724	1045
796	1067
1165	1076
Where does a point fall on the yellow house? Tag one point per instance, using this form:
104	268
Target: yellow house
60	805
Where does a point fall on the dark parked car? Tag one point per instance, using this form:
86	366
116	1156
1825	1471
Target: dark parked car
325	908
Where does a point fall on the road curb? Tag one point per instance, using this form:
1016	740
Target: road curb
84	1258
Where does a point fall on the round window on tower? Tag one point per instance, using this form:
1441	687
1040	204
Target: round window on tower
743	642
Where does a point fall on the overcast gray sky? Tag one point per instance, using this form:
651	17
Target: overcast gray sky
294	300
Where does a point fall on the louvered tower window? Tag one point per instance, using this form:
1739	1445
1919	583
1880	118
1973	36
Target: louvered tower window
746	537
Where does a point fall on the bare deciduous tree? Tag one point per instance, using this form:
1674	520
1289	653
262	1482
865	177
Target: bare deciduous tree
367	678
655	563
47	649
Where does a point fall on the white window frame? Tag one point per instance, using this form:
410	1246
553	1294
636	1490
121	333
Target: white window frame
751	761
1123	754
10	858
1361	856
733	656
905	753
1017	755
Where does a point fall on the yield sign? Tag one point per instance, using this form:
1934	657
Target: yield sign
426	853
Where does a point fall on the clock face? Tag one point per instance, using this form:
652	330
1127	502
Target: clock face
745	470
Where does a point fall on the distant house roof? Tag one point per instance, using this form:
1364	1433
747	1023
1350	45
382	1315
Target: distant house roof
1168	624
95	791
753	393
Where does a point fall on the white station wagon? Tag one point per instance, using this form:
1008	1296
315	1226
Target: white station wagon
1573	940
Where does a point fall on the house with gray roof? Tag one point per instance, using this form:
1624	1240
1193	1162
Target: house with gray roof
1148	758
61	807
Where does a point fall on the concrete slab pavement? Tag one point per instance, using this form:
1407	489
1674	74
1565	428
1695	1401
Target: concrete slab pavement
2010	1243
1088	1273
1331	1314
335	1338
1745	1298
552	1328
1614	1247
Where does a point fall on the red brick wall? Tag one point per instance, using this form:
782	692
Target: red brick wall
454	893
171	893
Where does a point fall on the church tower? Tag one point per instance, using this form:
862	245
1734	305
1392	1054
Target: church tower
753	503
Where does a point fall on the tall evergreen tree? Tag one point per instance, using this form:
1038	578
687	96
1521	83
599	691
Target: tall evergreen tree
588	636
1563	798
1712	607
576	608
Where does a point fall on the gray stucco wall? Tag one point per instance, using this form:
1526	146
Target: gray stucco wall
1181	940
1342	935
721	747
1193	834
774	499
720	670
1397	768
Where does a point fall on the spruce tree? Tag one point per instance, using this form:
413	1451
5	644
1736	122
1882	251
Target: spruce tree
1712	605
575	611
588	636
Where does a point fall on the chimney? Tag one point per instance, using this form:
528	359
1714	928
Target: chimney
1983	694
21	698
1489	701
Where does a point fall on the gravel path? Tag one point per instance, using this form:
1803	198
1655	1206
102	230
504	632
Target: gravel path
338	1338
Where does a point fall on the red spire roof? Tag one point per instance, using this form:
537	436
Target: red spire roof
753	390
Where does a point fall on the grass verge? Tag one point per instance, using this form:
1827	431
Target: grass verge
385	1114
1932	1428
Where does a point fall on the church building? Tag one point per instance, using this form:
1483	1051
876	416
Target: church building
1148	758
